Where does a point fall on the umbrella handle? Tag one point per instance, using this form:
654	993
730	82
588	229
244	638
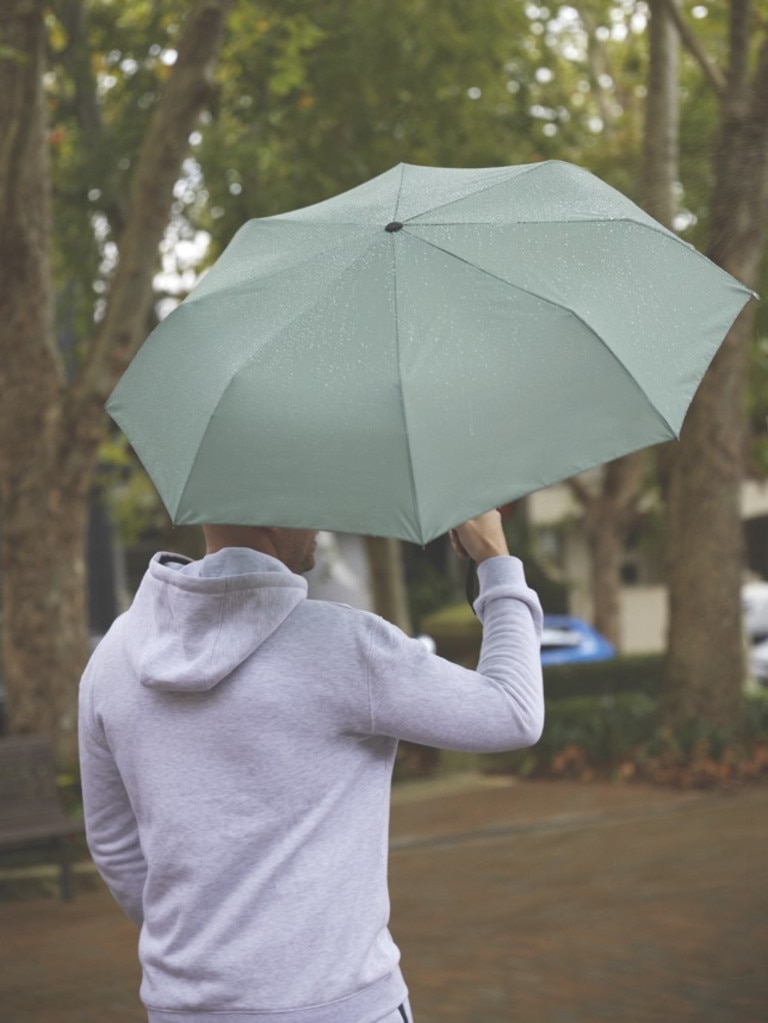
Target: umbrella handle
471	586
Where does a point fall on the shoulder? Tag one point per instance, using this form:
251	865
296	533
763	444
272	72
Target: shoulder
334	611
343	619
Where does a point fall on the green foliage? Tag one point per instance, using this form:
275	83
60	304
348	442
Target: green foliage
314	98
318	98
607	727
583	737
134	507
757	405
428	588
756	716
108	62
456	632
621	736
640	674
698	754
553	593
603	718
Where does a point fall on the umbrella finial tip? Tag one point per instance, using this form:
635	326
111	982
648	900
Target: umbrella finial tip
394	226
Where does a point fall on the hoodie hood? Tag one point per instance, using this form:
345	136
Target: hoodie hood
193	622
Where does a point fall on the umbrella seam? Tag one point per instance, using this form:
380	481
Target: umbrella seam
355	240
399	194
189	302
192	298
657	228
249	358
652	225
567	309
401	391
529	169
400	387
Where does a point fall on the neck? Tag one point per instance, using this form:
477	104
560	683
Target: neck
256	538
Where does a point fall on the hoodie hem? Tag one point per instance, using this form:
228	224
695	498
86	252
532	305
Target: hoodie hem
365	1006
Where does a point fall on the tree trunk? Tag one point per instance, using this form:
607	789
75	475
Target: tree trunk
662	122
385	563
607	550
164	146
661	143
705	670
612	510
610	513
50	430
44	640
43	630
705	667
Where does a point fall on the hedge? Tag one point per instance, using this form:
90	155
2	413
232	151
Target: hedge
457	634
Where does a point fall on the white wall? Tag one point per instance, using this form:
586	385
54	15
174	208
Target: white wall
643	619
643	607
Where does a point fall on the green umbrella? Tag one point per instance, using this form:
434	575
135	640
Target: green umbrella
429	345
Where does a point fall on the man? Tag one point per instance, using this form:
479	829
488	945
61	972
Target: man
237	744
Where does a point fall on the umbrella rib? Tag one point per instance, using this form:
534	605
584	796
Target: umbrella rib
650	226
401	390
651	223
250	356
399	193
474	193
559	305
290	268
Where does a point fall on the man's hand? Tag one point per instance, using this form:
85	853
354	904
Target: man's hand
480	538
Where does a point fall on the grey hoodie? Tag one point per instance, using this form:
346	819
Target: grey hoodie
237	743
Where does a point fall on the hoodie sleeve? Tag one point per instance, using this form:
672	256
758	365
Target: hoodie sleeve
423	698
110	824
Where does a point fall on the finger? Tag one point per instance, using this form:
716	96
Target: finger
458	546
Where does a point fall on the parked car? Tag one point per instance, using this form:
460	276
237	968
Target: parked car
754	606
758	661
566	639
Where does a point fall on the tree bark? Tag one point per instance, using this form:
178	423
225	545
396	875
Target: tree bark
164	146
705	670
43	632
610	513
50	430
661	141
612	510
662	121
385	563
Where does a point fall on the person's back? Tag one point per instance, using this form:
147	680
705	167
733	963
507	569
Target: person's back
237	743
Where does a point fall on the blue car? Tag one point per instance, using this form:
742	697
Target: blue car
566	639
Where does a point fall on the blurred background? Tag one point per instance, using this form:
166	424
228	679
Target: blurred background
145	134
135	138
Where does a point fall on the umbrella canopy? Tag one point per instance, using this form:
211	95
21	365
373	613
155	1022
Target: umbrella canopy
429	345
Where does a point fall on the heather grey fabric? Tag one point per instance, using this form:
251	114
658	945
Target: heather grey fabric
237	743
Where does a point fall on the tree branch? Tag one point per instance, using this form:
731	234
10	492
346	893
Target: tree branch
759	117
711	71
738	48
661	135
166	143
583	494
623	483
24	196
76	58
759	89
597	66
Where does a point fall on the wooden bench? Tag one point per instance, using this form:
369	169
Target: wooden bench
30	811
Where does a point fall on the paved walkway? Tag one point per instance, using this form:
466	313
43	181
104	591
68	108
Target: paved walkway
537	902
